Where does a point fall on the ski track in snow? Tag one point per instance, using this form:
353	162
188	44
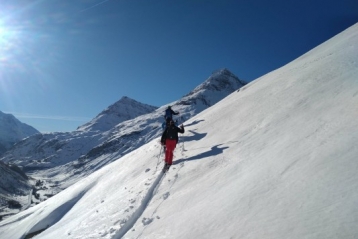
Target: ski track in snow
138	213
145	201
165	196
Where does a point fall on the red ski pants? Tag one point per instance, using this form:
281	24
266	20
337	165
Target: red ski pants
170	145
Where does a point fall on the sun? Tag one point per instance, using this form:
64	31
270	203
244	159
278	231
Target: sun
9	37
21	41
8	46
3	32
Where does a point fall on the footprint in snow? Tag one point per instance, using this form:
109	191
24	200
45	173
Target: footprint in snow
166	195
147	221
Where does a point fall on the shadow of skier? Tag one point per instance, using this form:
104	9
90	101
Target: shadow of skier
194	137
215	150
194	123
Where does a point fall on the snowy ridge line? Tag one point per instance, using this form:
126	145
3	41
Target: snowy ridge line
138	213
52	218
55	216
19	219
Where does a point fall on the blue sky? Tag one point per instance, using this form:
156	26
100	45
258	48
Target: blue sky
64	61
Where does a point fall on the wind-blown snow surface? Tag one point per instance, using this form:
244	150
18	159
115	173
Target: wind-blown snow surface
277	159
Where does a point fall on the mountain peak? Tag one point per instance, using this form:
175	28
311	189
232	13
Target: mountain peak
126	99
220	84
12	130
224	71
220	80
122	110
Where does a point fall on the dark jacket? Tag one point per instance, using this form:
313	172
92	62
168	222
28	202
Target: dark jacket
171	132
169	114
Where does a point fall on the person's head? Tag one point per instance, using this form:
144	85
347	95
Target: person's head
169	107
171	122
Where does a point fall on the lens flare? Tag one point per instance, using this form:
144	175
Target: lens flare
6	42
20	41
8	38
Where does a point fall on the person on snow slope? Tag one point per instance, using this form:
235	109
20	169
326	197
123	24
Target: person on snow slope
169	114
170	139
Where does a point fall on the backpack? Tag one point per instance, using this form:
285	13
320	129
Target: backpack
168	114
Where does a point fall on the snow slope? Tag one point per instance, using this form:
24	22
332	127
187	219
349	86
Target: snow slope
277	159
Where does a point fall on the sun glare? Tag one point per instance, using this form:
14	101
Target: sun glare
23	38
2	31
7	48
4	34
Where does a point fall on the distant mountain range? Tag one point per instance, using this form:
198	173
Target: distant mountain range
12	131
57	160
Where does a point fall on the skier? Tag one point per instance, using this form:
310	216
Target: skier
166	123
169	114
170	140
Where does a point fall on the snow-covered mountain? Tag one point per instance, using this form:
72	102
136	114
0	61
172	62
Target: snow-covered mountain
282	164
45	151
61	159
222	82
122	110
15	188
12	131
